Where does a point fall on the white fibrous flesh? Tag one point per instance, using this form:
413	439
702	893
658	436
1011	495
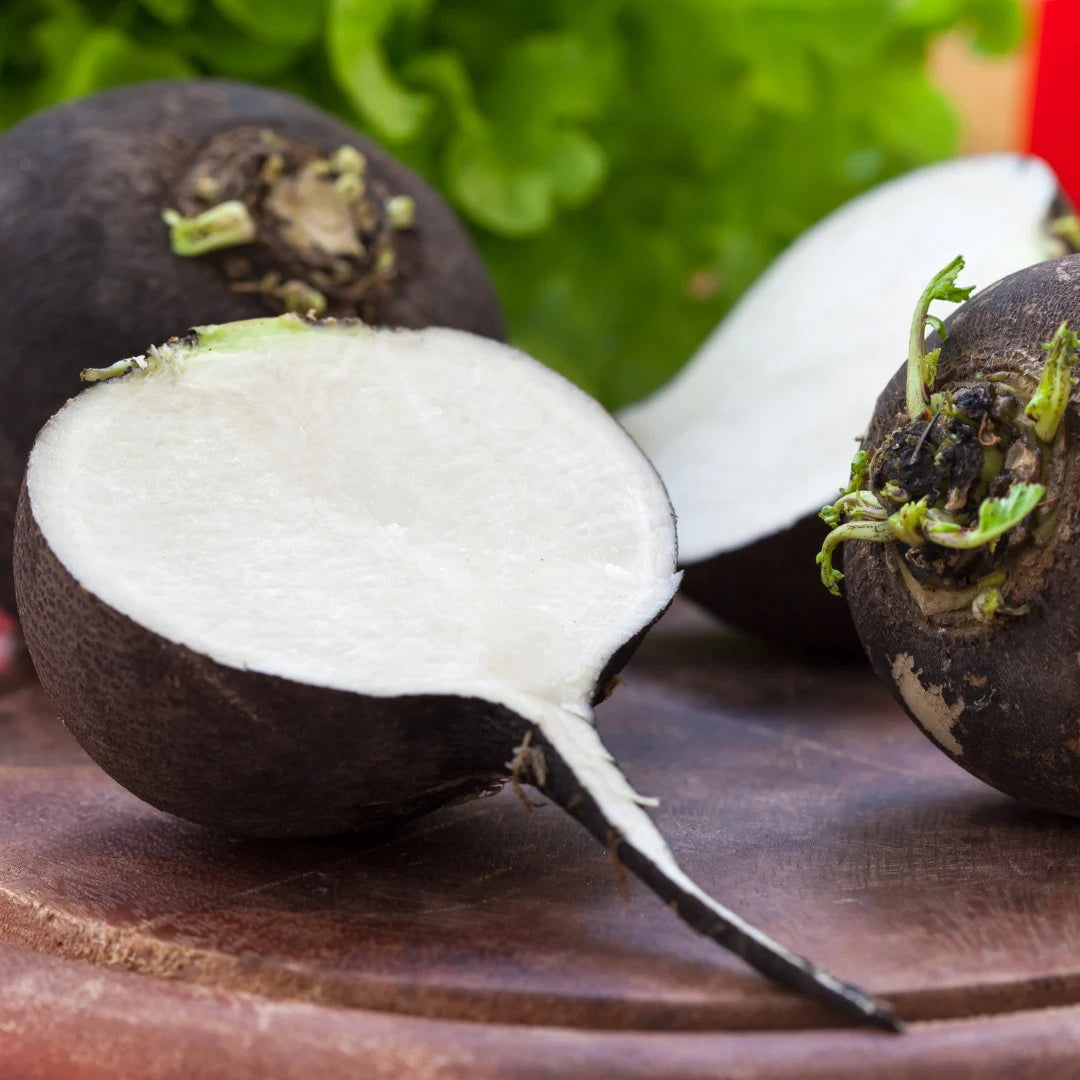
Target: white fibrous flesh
759	429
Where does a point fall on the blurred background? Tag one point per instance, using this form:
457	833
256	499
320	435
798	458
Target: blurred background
627	167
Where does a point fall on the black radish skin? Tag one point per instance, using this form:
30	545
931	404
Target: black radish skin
998	694
87	262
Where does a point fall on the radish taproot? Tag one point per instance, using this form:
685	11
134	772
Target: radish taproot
286	579
751	434
269	203
961	521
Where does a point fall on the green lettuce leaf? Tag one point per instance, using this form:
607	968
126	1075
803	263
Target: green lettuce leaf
278	21
628	167
355	32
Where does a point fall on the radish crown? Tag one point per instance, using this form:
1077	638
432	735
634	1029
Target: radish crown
956	484
311	232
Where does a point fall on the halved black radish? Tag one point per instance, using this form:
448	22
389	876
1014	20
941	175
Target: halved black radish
286	579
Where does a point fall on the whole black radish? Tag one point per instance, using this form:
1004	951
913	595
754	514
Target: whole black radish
962	522
132	215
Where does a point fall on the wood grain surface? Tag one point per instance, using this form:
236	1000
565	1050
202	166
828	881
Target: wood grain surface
488	940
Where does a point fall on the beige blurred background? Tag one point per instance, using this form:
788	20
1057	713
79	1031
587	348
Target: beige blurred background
993	94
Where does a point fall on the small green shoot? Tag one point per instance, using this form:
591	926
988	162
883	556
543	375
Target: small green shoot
1048	403
300	298
940	403
854	499
347	159
156	358
351	187
401	210
226	225
996	517
880	531
907	523
113	371
858	504
991	602
922	366
1067	229
860	473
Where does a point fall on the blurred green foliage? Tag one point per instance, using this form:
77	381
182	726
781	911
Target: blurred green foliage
627	166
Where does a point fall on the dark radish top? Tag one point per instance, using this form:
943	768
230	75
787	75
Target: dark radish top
303	230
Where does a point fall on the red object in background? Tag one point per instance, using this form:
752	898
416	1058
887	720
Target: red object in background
1055	111
7	640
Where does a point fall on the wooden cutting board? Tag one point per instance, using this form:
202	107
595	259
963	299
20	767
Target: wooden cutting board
493	940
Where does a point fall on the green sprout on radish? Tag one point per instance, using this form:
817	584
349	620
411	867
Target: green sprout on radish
996	517
922	365
223	226
1047	404
954	509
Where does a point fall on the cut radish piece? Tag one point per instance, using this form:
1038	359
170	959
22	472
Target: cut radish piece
751	436
287	578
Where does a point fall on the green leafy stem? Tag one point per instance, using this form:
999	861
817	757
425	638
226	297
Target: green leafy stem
922	365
